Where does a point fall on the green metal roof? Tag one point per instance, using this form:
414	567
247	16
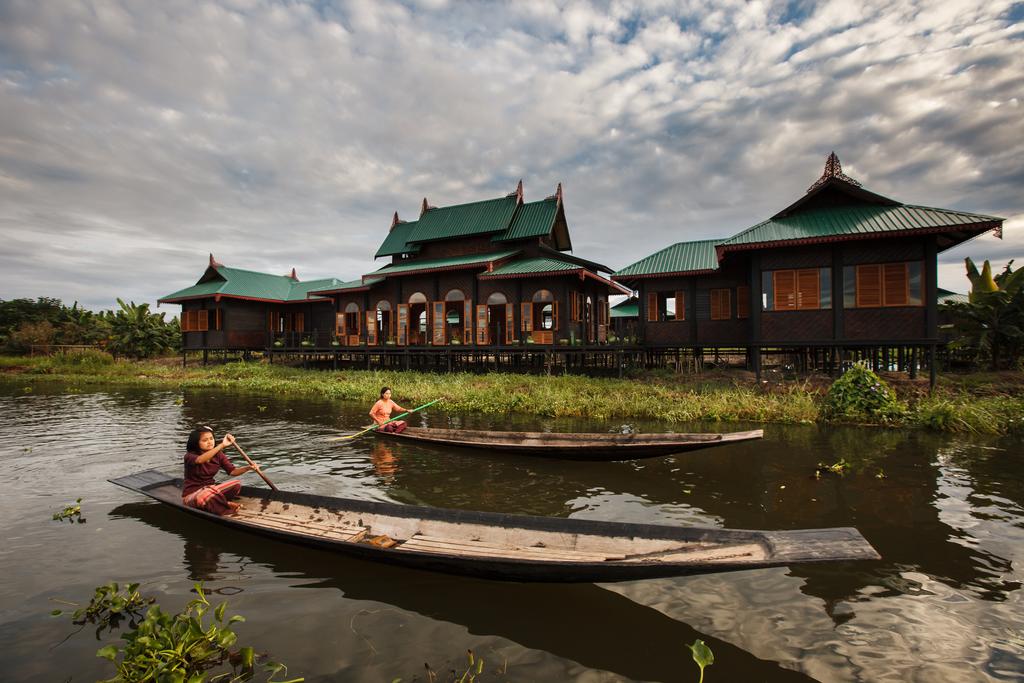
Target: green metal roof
487	216
528	266
853	220
250	284
533	219
395	242
630	308
416	265
682	257
947	297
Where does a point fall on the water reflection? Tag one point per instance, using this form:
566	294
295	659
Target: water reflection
595	627
947	515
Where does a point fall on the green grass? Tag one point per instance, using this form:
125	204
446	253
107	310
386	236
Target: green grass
957	406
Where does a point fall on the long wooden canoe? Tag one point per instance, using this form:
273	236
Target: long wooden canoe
510	547
594	446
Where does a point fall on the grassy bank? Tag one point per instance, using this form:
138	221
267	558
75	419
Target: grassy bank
990	404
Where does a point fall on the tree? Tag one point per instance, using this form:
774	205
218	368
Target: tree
137	333
991	324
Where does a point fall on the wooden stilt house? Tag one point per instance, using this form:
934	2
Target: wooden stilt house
232	309
495	272
839	267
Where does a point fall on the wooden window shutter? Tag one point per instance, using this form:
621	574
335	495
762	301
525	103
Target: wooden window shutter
339	325
203	320
371	328
807	289
721	304
526	316
481	324
300	322
652	307
510	323
359	324
895	284
784	288
467	322
438	319
403	324
270	321
742	302
554	317
680	305
218	322
869	286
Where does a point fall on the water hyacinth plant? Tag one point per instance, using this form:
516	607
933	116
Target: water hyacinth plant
72	513
860	394
181	647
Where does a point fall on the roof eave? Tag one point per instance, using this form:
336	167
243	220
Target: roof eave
977	228
675	273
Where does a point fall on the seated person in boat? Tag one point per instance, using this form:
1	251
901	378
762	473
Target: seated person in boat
203	458
382	409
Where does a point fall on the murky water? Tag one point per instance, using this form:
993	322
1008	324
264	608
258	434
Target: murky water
946	513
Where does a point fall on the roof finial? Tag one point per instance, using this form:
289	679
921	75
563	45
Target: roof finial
214	263
558	192
424	207
519	191
394	221
293	275
833	169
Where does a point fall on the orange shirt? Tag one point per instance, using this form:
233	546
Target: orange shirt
381	410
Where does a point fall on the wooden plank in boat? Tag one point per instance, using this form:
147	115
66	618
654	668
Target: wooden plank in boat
342	533
481	549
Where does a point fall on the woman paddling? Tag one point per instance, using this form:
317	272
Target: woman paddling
381	412
203	458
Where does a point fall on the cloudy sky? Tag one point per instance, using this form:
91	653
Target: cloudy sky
136	137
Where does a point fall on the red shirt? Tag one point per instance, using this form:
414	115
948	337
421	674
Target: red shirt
199	475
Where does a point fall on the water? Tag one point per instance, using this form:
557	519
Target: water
946	514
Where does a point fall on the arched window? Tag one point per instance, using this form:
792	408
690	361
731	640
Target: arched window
383	306
418	298
496	299
422	323
352	308
455	295
542	296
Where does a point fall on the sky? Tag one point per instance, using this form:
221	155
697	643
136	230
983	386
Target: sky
136	138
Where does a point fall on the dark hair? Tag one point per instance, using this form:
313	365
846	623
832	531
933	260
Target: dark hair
384	389
193	439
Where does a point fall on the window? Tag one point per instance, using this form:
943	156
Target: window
418	298
806	289
878	285
195	321
455	295
721	304
497	299
665	306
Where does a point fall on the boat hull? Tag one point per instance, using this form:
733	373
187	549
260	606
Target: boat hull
776	548
591	447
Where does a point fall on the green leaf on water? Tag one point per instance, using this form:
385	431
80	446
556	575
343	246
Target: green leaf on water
219	612
108	652
703	655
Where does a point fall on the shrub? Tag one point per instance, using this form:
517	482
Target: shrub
861	394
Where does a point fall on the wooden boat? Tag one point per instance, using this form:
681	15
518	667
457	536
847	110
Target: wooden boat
574	446
510	547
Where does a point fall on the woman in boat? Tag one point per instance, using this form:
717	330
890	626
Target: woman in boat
382	409
203	458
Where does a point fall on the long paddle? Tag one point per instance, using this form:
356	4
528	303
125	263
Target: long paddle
253	465
373	427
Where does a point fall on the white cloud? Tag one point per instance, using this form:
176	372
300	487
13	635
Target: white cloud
134	138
